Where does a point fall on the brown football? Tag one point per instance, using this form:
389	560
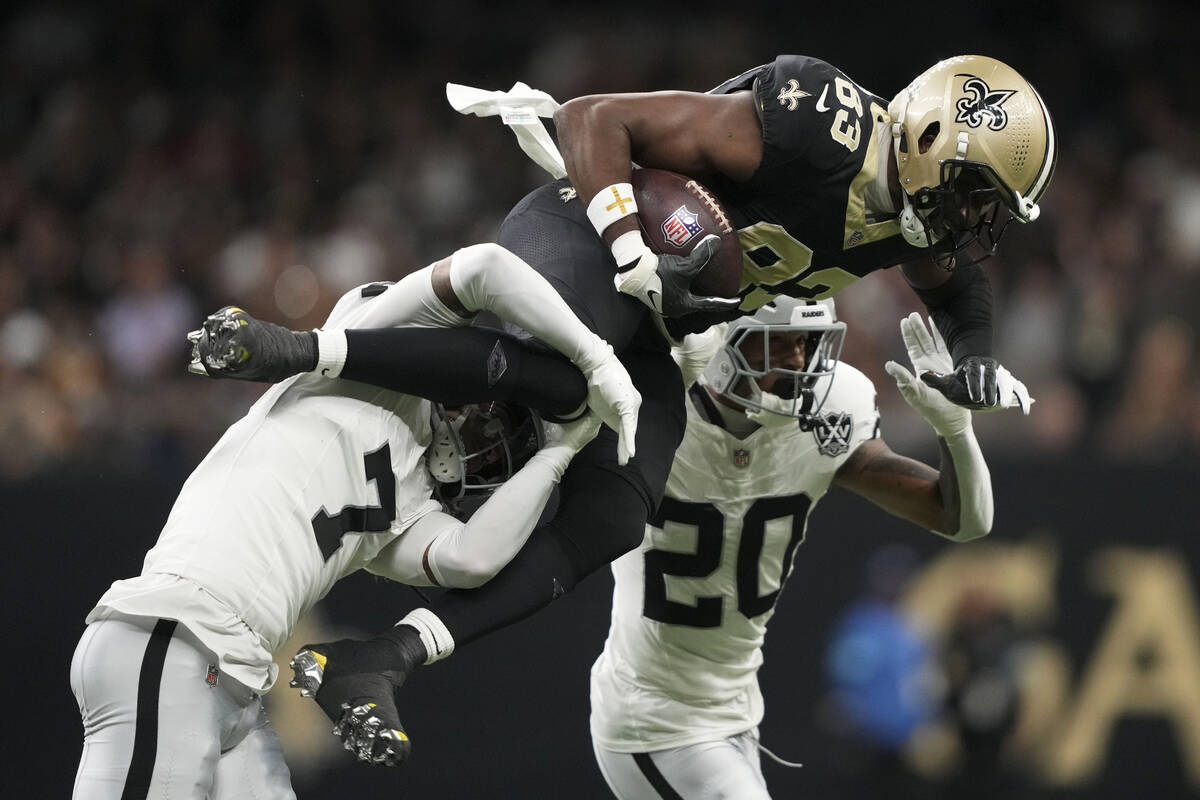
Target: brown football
676	212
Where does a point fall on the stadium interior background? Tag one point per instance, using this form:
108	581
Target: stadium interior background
159	160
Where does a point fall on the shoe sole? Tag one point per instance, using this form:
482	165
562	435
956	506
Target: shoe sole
362	732
308	668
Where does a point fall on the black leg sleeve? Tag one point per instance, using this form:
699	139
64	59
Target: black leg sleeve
962	309
600	516
464	365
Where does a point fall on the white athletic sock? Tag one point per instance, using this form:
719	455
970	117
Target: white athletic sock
331	352
437	640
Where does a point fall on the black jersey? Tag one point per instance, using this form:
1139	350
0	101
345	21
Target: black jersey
801	218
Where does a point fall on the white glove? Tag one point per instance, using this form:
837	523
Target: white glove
928	353
696	350
664	282
612	396
564	440
642	281
573	435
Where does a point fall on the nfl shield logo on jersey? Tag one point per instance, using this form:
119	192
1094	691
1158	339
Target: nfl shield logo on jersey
832	432
681	226
741	458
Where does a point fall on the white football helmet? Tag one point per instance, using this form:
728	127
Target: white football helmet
971	136
476	448
797	393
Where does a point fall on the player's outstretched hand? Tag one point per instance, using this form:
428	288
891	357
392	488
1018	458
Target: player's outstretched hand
929	355
676	274
233	344
615	401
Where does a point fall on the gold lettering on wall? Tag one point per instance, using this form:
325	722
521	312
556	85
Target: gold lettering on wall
1146	661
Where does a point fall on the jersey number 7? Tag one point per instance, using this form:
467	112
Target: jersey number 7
330	528
706	612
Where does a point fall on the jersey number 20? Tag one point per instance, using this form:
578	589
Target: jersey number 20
710	531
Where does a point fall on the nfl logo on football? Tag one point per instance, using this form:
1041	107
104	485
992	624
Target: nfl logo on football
681	226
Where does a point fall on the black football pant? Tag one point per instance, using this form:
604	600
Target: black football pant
602	507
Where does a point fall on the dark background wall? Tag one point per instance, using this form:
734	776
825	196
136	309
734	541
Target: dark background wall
508	716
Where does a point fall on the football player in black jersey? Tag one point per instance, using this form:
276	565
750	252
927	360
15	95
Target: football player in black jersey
825	183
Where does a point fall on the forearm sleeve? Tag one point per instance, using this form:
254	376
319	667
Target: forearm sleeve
966	487
962	309
464	365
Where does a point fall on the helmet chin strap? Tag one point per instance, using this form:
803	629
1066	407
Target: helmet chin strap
444	457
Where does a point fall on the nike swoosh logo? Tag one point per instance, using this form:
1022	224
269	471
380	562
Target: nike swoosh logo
821	100
324	372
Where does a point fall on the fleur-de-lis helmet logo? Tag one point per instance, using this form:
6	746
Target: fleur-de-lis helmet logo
983	103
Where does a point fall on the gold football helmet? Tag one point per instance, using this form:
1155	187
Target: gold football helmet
971	136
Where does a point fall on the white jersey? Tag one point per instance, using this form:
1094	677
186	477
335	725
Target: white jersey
691	605
305	489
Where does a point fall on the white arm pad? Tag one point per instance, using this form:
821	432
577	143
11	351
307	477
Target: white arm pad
974	486
467	555
486	277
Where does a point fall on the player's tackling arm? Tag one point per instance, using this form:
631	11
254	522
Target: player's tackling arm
440	550
487	277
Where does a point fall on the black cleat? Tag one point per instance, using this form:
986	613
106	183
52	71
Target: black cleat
233	344
357	696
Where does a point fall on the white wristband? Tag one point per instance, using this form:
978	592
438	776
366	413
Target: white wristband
331	352
611	204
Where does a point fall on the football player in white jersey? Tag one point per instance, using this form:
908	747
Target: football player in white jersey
675	696
320	478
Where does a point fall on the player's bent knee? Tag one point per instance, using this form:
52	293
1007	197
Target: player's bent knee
483	253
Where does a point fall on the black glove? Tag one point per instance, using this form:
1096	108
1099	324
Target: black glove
677	274
972	384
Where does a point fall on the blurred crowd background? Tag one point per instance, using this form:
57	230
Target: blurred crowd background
159	160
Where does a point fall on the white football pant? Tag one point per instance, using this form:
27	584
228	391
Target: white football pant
726	768
160	722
